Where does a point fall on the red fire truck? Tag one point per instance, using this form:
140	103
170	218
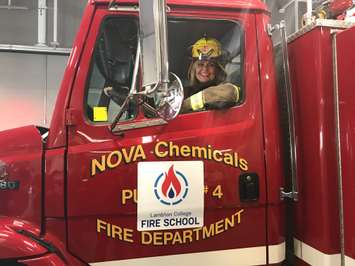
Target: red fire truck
121	178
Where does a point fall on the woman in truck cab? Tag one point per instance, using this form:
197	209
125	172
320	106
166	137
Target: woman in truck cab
207	88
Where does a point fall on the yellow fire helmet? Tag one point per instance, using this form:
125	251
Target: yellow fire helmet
206	48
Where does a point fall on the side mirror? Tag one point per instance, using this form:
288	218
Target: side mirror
152	52
154	59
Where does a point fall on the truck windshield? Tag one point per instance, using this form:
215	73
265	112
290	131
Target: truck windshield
113	61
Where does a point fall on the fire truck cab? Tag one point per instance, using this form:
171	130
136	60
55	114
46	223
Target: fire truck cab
122	178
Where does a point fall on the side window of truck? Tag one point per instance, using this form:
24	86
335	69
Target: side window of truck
111	70
183	34
187	39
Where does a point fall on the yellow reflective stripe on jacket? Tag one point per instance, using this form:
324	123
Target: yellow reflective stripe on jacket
197	102
237	93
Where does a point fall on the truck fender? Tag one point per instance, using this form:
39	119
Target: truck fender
14	244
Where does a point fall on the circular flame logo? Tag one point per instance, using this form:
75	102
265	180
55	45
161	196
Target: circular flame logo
171	188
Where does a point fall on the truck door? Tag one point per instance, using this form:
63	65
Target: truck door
214	154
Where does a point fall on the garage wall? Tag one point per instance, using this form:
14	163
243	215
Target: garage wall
28	87
20	26
29	81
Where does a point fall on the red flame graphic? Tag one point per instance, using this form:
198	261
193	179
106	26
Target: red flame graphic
171	186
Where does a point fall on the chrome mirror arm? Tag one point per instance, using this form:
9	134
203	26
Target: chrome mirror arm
133	88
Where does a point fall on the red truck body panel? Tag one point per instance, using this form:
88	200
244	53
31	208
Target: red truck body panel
47	259
274	160
232	4
316	213
16	142
21	154
22	242
345	63
13	244
55	185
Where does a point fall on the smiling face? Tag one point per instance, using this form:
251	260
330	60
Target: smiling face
205	71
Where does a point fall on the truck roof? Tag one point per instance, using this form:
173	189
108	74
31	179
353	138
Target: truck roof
234	4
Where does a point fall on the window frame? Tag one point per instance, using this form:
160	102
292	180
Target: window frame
139	117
